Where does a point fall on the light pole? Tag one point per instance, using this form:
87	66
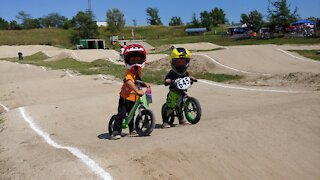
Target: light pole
89	5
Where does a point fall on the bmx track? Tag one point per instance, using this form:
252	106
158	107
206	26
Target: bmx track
55	122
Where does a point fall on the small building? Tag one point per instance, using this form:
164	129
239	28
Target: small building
195	31
92	44
101	23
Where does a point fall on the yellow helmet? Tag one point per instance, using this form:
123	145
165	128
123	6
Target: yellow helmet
180	53
180	59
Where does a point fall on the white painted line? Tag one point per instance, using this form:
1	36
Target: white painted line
248	89
84	158
75	55
44	68
228	67
4	107
68	73
296	57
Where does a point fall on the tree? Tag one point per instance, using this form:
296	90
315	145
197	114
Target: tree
84	26
67	24
23	16
27	21
175	21
3	24
254	20
54	20
154	18
32	23
115	20
206	20
195	23
218	16
280	15
13	25
213	18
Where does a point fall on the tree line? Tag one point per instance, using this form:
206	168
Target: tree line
280	16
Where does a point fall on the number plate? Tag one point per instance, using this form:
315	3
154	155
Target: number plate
183	83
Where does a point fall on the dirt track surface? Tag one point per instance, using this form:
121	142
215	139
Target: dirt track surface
260	131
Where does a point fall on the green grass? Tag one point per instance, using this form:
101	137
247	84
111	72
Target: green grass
311	54
1	119
87	68
168	51
227	41
216	77
155	35
54	37
215	49
106	67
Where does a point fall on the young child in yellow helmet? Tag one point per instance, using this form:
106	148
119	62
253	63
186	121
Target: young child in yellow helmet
180	59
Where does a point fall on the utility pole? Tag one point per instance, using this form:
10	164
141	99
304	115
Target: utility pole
89	5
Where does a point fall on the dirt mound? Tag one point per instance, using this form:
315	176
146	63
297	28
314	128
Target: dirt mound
60	56
160	48
2	110
197	64
296	79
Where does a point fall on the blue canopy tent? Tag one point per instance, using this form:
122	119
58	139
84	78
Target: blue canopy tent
303	22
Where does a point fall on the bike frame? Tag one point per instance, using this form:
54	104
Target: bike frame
140	104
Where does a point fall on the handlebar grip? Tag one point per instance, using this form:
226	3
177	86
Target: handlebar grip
139	82
166	83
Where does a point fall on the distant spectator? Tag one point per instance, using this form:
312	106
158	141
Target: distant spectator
20	55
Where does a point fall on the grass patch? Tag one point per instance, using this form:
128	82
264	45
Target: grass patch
169	51
311	54
33	59
53	37
1	119
216	77
215	49
154	35
227	41
106	67
39	56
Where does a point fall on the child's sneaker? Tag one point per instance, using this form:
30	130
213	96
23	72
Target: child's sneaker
165	125
115	135
133	133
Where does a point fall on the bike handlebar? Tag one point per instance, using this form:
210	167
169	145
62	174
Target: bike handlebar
138	82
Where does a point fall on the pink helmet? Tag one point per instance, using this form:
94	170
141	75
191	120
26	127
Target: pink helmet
134	50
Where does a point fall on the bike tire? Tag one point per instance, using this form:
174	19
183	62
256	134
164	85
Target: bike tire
196	108
145	123
170	119
111	124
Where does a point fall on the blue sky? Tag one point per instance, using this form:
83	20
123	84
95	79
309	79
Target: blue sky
137	9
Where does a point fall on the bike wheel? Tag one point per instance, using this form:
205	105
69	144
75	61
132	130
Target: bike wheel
145	123
192	110
111	124
169	119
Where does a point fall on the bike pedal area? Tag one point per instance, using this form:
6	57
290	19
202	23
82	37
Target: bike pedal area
129	135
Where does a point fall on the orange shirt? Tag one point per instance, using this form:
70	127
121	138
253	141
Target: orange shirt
126	92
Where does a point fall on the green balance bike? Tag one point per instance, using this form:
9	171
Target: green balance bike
144	121
189	106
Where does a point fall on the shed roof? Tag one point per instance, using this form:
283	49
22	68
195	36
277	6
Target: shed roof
193	30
